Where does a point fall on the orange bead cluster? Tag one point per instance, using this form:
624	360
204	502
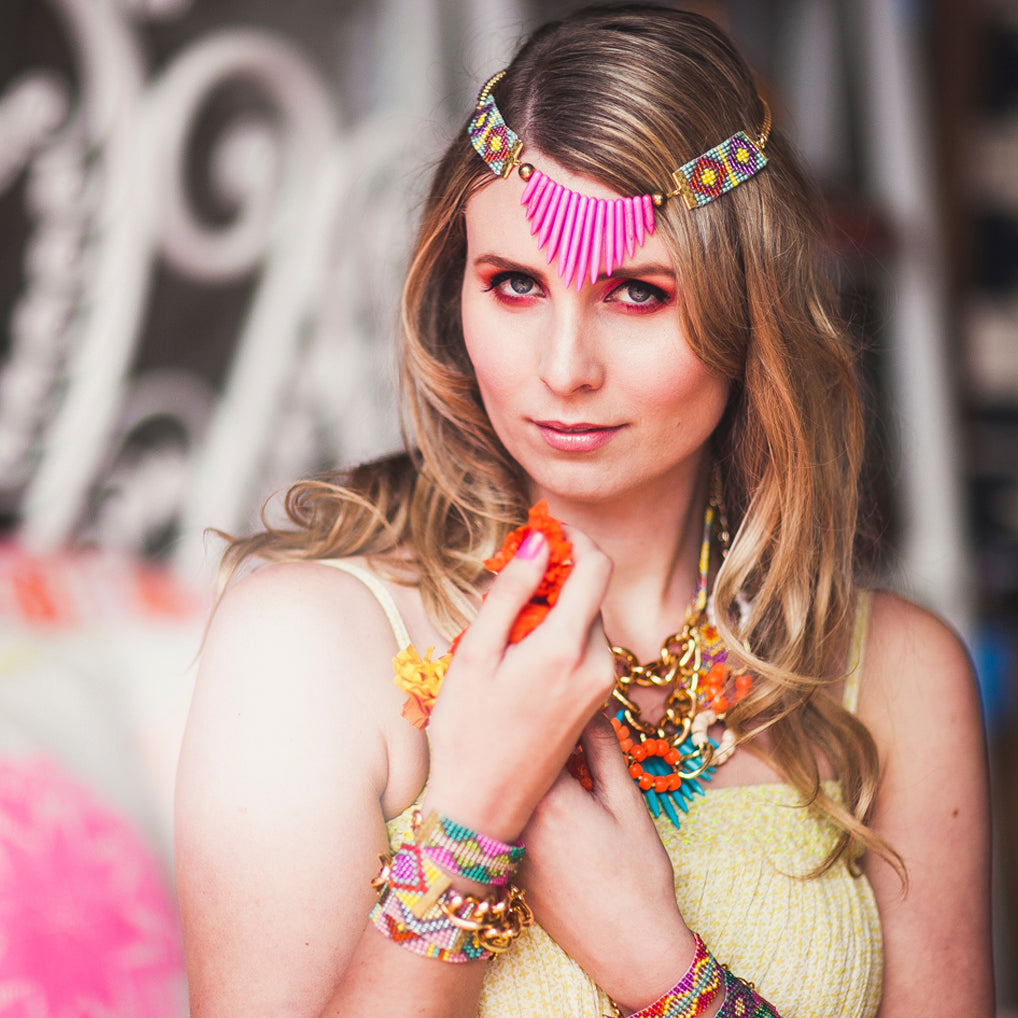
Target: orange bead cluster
639	751
714	688
421	678
560	565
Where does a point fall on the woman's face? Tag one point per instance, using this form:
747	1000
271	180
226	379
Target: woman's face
596	393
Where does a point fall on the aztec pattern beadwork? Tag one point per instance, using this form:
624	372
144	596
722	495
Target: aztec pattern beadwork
694	993
418	909
742	1000
715	172
460	850
585	234
496	143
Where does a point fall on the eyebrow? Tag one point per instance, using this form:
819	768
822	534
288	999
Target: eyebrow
643	269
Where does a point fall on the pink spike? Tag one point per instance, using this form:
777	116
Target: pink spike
535	178
576	239
648	213
627	206
609	236
620	230
568	240
638	220
588	232
551	216
539	203
595	247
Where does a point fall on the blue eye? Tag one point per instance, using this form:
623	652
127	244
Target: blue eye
521	284
639	293
512	285
635	293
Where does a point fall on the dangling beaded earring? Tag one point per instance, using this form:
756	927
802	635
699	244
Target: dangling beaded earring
585	233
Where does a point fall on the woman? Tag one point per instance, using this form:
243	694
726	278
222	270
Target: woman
613	305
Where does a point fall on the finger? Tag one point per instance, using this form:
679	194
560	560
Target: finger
605	760
584	589
510	591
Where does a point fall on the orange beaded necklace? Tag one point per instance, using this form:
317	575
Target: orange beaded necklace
670	760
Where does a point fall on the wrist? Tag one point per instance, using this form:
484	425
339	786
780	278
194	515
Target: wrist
476	862
699	992
662	960
492	815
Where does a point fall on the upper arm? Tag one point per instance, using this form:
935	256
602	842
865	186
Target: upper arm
920	701
278	817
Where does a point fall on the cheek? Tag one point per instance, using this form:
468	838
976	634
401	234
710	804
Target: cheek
489	352
688	393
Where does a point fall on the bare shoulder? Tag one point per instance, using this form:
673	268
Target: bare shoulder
919	699
913	657
303	633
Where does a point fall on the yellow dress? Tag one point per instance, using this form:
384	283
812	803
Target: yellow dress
811	946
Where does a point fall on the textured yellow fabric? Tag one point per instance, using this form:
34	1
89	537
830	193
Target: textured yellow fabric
811	946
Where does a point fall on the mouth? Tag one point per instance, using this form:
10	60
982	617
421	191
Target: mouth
571	429
580	436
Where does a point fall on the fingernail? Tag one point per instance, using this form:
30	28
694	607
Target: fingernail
531	545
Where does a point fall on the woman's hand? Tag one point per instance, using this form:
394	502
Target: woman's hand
600	882
510	714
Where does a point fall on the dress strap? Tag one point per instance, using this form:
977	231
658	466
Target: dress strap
382	595
857	649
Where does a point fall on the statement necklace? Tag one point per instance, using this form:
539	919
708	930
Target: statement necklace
670	761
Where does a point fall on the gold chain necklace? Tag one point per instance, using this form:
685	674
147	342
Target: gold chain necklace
670	760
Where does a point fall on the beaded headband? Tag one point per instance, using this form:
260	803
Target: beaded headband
583	232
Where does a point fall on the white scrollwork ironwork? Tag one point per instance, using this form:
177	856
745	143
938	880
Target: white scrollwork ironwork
317	229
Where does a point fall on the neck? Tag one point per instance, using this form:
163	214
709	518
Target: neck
654	544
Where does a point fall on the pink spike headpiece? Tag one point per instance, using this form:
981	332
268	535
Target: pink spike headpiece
585	233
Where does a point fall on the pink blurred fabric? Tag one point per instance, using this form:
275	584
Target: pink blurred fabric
87	926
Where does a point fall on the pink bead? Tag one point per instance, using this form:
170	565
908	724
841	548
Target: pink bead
535	178
565	238
620	230
540	203
597	241
627	207
609	237
556	209
569	251
638	221
585	243
648	213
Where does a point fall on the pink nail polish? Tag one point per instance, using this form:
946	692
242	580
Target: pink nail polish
531	545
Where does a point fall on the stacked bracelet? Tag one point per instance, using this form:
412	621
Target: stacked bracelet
693	993
418	909
742	1000
696	990
463	852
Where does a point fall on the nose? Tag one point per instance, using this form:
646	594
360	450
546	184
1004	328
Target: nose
570	360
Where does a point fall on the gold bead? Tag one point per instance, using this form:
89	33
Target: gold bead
658	198
526	171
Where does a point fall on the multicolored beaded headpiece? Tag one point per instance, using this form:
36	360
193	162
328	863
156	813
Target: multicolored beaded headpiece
585	233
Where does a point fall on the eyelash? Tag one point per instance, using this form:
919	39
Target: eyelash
657	298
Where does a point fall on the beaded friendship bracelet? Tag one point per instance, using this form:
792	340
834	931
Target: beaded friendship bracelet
464	852
418	908
693	993
742	1000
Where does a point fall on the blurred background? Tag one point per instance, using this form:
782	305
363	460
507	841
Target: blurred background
205	210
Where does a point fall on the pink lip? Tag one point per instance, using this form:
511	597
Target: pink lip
579	437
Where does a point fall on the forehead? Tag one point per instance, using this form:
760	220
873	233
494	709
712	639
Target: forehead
497	222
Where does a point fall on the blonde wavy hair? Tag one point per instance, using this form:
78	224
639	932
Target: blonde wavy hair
625	94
